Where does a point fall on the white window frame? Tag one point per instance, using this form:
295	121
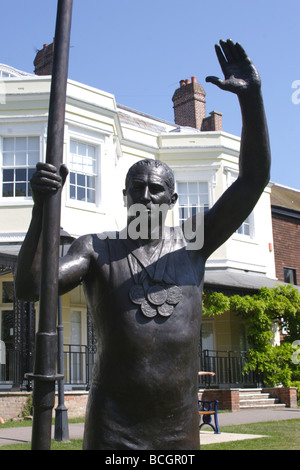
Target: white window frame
9	200
188	195
248	224
199	175
97	143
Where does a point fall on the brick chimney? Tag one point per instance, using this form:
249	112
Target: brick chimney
190	107
43	60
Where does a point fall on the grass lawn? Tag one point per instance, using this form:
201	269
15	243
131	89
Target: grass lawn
281	435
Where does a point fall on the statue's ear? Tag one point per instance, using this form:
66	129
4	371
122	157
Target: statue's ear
173	200
124	197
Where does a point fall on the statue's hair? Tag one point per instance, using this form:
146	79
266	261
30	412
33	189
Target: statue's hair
169	175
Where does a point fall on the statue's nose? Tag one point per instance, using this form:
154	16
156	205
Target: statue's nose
146	194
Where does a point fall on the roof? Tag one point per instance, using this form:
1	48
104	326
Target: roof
8	71
145	121
238	280
283	196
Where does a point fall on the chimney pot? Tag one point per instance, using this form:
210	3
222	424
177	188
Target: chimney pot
194	79
43	60
189	104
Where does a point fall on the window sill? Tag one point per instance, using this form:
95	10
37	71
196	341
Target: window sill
243	238
84	206
8	202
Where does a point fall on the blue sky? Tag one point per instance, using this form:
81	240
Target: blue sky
140	50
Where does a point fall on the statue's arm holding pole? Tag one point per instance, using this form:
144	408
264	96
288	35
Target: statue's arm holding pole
234	206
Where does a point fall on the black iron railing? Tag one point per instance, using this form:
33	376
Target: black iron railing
228	367
78	365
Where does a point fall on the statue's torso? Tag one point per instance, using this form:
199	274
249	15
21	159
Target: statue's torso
144	390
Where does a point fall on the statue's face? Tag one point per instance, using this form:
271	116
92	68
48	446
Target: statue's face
148	187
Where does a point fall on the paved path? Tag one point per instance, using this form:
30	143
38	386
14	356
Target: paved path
23	434
243	417
257	416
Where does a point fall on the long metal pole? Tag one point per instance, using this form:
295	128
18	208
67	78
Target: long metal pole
46	339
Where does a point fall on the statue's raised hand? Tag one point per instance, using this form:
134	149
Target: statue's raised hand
241	76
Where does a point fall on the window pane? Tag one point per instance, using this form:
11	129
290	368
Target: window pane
33	158
204	200
72	178
8	190
193	188
90	182
72	192
193	200
81	149
81	180
182	188
21	159
31	171
33	143
8	159
90	195
8	144
21	175
80	194
73	146
8	175
289	275
21	143
89	165
91	151
20	189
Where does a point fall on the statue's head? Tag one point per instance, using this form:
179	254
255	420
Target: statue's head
149	187
166	171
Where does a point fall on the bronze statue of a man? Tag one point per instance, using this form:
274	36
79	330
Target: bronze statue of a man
144	293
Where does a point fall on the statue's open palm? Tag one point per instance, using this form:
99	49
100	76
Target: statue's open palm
240	74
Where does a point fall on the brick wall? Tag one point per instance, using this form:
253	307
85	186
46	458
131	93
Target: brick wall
13	403
287	395
286	237
229	399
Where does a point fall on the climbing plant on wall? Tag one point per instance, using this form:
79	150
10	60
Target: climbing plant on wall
261	311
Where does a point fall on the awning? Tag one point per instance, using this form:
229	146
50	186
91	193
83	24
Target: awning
8	256
238	281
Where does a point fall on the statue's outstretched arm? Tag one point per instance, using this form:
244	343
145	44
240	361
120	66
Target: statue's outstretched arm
234	206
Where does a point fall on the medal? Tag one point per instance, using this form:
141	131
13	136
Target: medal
157	295
165	310
162	296
174	295
137	294
148	310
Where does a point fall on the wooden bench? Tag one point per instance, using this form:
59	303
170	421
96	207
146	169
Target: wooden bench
206	410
